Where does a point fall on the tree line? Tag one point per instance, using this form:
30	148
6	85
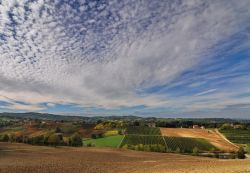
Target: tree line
52	139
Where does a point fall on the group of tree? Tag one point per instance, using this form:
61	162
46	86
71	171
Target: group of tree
159	148
110	124
227	126
142	147
53	139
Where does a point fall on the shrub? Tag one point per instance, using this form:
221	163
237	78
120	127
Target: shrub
54	140
178	150
58	130
169	150
90	144
76	140
120	132
146	148
161	148
241	153
125	146
97	135
195	151
5	138
140	147
226	126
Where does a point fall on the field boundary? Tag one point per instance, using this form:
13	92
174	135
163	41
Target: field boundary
221	135
141	135
119	146
165	141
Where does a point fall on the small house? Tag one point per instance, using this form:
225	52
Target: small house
196	127
151	124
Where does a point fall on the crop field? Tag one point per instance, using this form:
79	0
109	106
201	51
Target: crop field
237	135
187	144
143	130
142	139
110	141
212	136
23	158
171	143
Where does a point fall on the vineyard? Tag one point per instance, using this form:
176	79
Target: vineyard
187	144
141	139
180	144
143	130
237	135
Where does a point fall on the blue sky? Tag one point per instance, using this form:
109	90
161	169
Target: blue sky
148	58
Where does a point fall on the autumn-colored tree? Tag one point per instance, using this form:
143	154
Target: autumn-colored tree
54	140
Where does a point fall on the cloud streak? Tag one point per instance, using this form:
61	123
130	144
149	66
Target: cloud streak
106	54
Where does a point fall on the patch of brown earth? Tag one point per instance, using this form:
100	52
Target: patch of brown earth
210	135
22	158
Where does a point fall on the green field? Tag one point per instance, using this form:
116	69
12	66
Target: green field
110	141
142	139
143	130
187	144
237	135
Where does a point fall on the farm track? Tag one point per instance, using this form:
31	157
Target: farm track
221	135
22	158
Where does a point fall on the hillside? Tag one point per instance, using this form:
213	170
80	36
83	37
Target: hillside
210	135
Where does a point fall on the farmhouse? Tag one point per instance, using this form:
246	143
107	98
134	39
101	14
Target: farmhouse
196	127
151	124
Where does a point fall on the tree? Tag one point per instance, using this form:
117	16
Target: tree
241	153
5	138
58	130
54	140
12	137
226	126
76	140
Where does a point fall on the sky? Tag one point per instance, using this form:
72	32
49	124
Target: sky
136	57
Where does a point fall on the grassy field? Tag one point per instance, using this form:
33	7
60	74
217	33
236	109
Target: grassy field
23	158
110	141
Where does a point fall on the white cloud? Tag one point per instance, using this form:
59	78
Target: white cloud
59	55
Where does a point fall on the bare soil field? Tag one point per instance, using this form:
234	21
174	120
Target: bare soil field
22	158
211	135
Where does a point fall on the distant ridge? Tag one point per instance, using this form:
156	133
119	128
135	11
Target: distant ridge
47	116
56	117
